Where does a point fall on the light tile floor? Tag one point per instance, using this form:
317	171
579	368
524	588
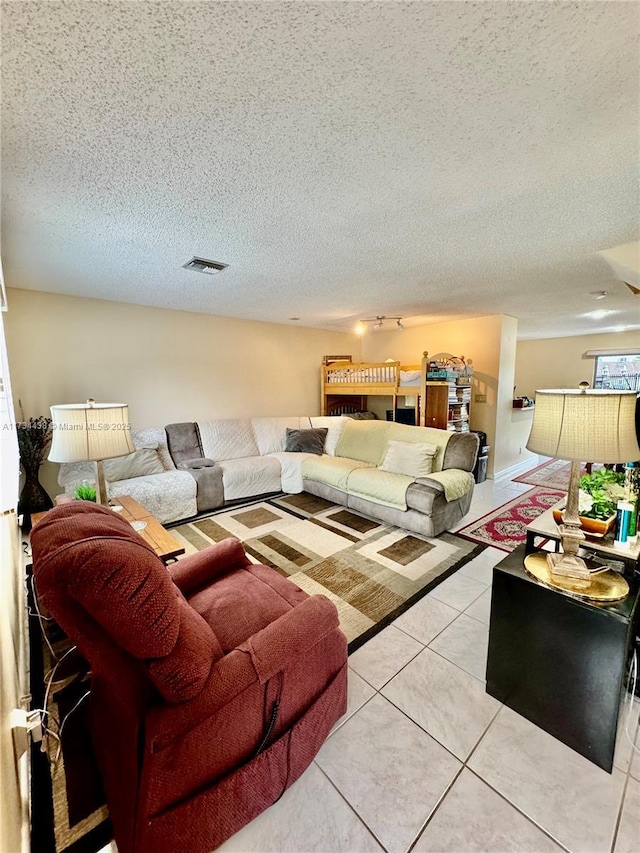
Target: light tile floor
425	760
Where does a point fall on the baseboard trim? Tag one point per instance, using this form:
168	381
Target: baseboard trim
520	468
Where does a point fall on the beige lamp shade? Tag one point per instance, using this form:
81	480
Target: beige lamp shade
585	425
90	432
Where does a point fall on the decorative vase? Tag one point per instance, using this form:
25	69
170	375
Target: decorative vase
33	497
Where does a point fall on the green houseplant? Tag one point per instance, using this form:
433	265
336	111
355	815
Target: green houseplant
85	492
599	493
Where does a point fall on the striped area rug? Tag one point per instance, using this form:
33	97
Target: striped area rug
371	571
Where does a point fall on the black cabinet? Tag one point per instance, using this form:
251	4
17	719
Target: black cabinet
559	661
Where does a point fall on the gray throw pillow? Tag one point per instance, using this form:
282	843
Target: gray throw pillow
306	440
140	463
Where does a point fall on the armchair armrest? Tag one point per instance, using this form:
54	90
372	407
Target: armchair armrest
197	462
197	569
292	634
432	485
255	661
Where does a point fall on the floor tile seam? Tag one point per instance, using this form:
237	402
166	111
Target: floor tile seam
530	819
435	809
426	645
471	578
404	665
522	813
351	716
482	592
359	818
422	728
461	668
453	663
616	828
475	618
483	734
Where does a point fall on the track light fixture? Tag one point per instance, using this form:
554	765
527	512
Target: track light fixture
378	323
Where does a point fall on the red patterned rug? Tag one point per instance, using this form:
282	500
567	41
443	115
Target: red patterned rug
553	474
506	526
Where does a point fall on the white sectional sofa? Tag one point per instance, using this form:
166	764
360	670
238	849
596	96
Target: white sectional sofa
207	464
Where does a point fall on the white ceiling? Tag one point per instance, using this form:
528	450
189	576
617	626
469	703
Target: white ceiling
424	159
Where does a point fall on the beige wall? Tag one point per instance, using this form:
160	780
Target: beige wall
167	365
558	362
490	342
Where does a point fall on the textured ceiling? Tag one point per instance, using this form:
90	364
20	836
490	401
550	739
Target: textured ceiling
428	159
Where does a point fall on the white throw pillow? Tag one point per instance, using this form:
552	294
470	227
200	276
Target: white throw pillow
140	463
405	457
335	425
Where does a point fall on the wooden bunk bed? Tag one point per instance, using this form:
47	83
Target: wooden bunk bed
346	386
443	404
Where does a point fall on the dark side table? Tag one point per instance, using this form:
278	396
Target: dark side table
559	661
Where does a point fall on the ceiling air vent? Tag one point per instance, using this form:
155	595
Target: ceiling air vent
203	265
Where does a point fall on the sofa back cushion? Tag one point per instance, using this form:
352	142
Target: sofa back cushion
334	425
270	433
231	438
183	441
140	463
72	473
423	435
365	441
408	458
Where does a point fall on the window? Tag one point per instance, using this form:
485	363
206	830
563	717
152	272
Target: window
619	372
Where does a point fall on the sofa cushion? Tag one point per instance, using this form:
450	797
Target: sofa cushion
140	463
332	470
291	470
462	451
365	441
169	496
271	433
334	425
306	440
231	438
409	458
381	487
254	475
183	441
424	435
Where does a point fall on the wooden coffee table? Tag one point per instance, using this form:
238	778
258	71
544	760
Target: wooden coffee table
154	534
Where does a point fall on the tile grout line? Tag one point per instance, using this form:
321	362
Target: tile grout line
351	808
434	810
519	810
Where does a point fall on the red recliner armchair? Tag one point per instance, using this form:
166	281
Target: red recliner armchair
214	682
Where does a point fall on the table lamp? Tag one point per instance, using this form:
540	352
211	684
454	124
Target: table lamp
582	425
91	432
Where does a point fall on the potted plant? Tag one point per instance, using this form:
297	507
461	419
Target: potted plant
34	438
85	492
599	493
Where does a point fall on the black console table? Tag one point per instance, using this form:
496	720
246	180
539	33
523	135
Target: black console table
559	661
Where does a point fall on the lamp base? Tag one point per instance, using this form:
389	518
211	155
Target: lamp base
568	566
604	587
101	486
